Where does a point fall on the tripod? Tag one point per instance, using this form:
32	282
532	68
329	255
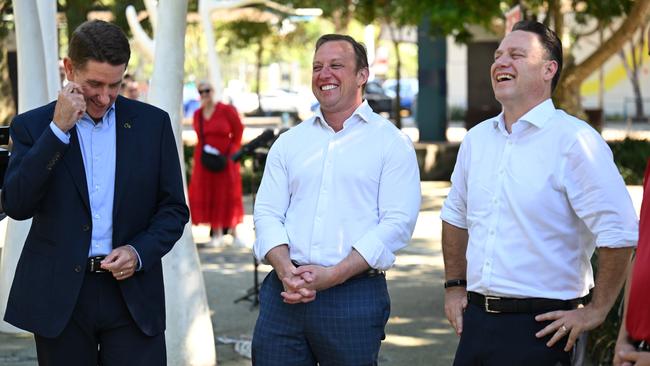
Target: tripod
253	293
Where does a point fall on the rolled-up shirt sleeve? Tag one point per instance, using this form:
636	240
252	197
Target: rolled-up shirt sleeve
597	192
271	205
454	209
398	201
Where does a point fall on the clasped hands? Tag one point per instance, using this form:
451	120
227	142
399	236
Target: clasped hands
301	283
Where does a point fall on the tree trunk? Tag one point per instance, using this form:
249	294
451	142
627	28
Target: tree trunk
190	339
342	17
397	103
567	93
38	84
258	75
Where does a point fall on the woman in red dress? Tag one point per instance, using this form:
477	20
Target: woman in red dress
216	197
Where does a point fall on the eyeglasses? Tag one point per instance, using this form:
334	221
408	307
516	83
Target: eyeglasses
205	91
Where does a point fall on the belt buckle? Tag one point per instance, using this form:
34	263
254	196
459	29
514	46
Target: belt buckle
643	346
487	304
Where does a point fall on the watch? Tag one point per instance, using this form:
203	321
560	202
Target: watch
454	283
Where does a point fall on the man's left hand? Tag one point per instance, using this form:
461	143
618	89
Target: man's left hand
571	323
635	358
122	262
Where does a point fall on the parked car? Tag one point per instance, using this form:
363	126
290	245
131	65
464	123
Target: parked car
408	89
279	101
377	98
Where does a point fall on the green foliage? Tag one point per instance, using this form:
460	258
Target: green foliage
631	157
453	18
243	33
604	10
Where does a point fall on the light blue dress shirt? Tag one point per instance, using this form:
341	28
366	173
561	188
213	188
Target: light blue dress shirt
97	142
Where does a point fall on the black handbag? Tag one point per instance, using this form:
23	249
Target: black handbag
211	161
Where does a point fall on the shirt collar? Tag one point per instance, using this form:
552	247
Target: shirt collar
363	111
107	118
538	116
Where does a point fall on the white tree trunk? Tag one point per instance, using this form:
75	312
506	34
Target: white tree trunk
38	84
206	7
190	340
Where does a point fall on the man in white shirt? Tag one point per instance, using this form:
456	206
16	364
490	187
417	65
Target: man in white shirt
534	191
339	196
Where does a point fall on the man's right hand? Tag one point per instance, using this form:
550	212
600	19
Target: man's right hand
294	287
455	305
70	107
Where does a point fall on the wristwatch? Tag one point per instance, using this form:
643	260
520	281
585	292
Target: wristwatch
454	283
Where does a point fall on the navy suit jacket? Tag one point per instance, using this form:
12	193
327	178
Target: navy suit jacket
45	180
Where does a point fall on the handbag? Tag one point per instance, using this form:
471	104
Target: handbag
214	162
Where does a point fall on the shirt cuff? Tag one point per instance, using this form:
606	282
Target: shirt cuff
137	255
617	239
263	246
450	217
374	252
63	136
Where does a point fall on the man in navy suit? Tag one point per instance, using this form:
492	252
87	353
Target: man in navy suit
100	176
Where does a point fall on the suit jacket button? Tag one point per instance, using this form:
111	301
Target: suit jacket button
86	227
77	268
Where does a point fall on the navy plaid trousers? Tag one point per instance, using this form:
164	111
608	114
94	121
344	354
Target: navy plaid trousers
343	326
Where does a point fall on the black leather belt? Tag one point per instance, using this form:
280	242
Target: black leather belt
372	272
94	264
643	346
532	305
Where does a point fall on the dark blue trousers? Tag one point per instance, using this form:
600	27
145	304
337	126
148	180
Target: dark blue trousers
101	332
506	339
344	326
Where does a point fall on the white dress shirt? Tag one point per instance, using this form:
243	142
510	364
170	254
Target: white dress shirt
324	192
535	203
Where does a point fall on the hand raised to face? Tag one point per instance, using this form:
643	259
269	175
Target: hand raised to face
70	106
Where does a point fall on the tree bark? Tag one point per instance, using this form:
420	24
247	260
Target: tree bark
567	93
397	103
258	74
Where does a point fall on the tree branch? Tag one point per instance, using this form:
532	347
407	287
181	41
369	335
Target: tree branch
636	17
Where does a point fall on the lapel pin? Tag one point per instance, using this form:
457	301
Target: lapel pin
127	125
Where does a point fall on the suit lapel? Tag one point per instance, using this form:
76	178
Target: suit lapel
74	163
126	143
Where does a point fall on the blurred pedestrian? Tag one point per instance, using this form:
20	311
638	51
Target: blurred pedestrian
101	178
534	192
216	196
339	196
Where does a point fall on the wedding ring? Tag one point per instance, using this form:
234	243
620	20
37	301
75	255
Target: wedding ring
564	329
122	272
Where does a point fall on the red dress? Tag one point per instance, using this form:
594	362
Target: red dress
216	197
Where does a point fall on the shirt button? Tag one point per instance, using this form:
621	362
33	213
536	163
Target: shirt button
491	232
97	216
77	268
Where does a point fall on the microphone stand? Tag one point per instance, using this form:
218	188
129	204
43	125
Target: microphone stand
253	293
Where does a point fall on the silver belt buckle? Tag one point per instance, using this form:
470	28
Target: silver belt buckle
487	304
